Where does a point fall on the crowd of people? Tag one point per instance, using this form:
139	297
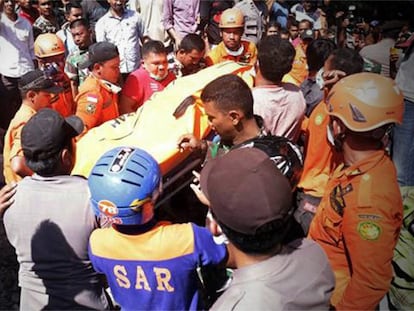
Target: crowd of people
307	173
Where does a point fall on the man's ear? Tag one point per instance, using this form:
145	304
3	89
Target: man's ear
97	67
67	158
30	95
180	52
338	127
143	64
235	116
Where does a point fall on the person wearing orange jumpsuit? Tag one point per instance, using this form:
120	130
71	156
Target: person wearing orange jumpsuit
359	218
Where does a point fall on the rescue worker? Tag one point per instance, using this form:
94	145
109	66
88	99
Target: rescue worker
97	100
50	55
359	218
233	47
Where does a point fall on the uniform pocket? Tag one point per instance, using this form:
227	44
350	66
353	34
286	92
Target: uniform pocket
332	223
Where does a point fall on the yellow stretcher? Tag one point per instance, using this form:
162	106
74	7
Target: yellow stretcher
158	124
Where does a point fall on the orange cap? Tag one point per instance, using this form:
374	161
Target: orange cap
232	18
366	101
48	44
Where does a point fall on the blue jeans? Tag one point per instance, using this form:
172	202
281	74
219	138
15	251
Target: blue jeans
403	146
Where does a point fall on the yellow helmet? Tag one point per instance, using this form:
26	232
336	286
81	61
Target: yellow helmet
366	101
232	18
48	44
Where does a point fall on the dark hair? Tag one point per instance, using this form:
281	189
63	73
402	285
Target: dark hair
317	53
292	22
229	92
310	24
347	60
48	167
153	46
79	22
265	240
275	24
284	31
72	4
275	57
191	42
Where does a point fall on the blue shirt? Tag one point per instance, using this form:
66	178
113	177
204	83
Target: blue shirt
279	13
155	270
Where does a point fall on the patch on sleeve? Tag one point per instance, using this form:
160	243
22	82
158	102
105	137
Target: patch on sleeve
369	230
91	108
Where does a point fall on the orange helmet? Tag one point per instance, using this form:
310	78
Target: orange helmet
48	44
232	18
366	101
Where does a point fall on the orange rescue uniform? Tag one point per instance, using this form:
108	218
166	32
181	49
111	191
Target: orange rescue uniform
357	224
63	102
220	54
299	71
320	156
12	142
97	101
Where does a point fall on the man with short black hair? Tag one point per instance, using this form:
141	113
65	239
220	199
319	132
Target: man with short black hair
188	59
255	218
82	36
281	105
47	22
73	11
152	76
51	240
125	29
228	104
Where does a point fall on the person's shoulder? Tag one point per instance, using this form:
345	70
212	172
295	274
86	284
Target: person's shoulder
255	295
100	235
23	21
290	87
23	115
90	84
307	254
249	45
229	300
102	20
133	14
139	72
91	89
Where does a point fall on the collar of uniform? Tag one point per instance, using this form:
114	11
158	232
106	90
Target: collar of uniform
235	53
112	87
360	167
108	85
112	15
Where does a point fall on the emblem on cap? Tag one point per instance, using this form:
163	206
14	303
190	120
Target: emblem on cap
357	114
108	208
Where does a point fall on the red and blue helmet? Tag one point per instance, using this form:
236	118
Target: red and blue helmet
122	181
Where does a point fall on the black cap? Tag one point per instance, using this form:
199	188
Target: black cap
308	34
100	52
246	190
36	80
46	133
